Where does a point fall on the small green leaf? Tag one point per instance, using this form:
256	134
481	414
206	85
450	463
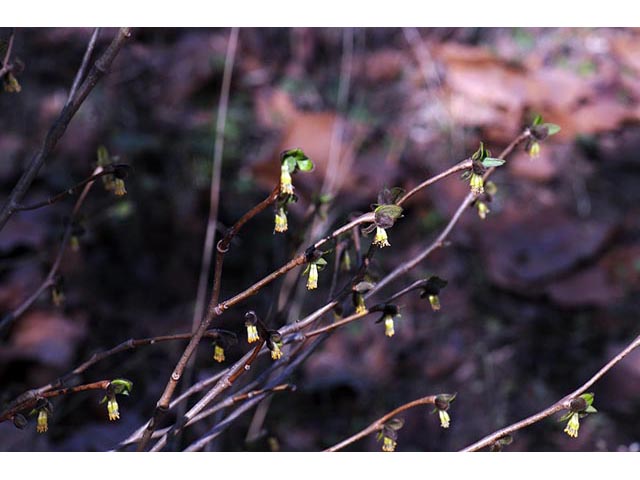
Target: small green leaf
537	121
479	154
305	165
121	386
552	128
393	211
587	397
291	163
492	162
590	409
321	262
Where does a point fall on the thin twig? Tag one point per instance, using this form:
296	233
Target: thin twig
6	66
130	344
50	278
214	193
108	170
464	165
31	401
439	241
84	65
57	130
378	424
561	404
214	196
216	309
218	429
228	402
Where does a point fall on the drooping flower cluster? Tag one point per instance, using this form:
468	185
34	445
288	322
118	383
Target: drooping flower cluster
118	386
386	212
389	312
579	407
291	161
443	403
388	434
315	264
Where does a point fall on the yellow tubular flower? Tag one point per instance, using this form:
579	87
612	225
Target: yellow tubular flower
388	326
276	353
434	300
381	238
534	150
445	419
483	210
312	281
252	334
118	187
281	224
360	305
112	409
573	425
43	422
389	444
286	185
218	354
477	184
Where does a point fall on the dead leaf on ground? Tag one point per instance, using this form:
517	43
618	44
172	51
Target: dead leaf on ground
45	336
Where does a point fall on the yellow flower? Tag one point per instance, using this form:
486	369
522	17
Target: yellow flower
534	150
434	300
252	333
57	296
483	210
276	353
389	444
445	419
286	185
312	281
112	409
43	421
281	224
573	425
218	353
388	326
360	305
118	187
381	238
477	184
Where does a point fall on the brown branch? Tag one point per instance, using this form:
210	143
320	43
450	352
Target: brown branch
464	165
216	309
439	241
232	374
228	402
85	63
561	404
6	66
50	278
214	197
108	170
29	401
378	424
130	344
57	130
